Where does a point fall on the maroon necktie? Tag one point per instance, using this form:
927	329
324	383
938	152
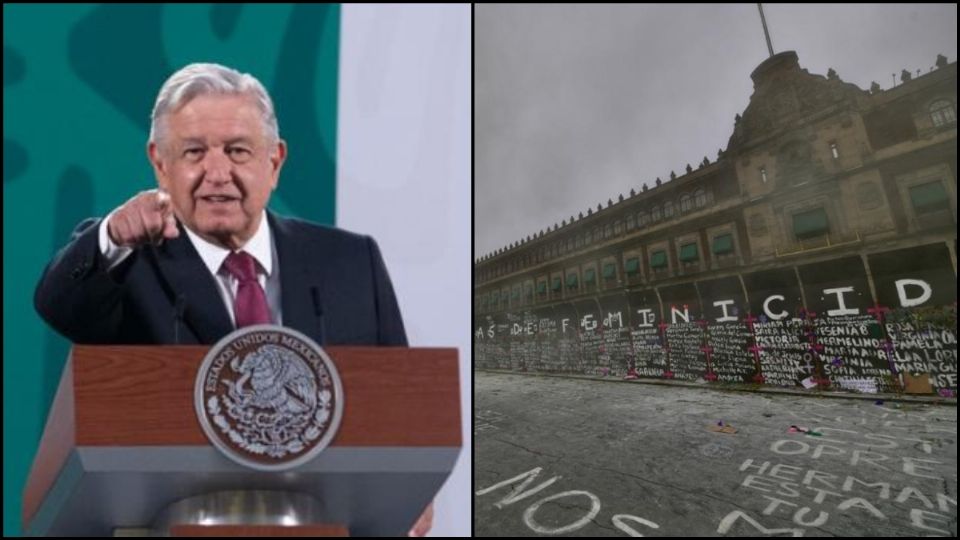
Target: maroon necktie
250	306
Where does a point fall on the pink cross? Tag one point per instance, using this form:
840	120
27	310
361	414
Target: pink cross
708	350
816	347
711	376
811	315
663	326
750	319
878	311
759	378
703	323
755	349
668	374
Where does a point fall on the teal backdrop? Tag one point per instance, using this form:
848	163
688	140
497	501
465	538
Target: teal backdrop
79	83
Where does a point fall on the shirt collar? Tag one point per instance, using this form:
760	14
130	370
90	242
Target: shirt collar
258	246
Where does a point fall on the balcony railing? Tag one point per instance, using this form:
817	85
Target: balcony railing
820	243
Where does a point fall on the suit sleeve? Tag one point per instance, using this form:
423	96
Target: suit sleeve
390	331
76	295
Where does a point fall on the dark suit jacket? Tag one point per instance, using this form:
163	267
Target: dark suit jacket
334	288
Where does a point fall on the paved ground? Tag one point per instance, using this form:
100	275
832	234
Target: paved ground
579	457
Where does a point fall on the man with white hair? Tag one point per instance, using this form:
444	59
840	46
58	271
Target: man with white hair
200	256
189	262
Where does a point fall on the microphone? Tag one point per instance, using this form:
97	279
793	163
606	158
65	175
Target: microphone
180	307
318	311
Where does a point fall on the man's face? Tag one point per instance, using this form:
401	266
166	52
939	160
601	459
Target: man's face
218	165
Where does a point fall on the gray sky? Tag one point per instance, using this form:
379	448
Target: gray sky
576	104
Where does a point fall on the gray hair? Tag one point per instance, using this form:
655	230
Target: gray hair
202	79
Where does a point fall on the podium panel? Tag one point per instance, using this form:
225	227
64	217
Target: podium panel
122	442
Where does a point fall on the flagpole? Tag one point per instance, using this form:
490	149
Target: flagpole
765	32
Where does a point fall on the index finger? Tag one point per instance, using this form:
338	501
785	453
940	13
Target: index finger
162	200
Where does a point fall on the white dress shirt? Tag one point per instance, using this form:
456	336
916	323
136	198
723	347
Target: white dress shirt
261	246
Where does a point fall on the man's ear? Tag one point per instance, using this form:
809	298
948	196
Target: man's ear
277	157
155	155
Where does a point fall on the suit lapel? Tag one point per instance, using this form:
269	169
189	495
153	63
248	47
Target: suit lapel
186	275
301	286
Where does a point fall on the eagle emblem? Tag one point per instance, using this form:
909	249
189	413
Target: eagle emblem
268	397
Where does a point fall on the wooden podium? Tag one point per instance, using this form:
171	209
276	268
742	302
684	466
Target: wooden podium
122	444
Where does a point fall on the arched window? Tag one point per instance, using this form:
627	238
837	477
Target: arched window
642	219
686	203
618	227
668	209
607	231
942	113
701	198
631	222
656	214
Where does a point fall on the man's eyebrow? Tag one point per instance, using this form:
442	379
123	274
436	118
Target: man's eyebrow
241	139
203	141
